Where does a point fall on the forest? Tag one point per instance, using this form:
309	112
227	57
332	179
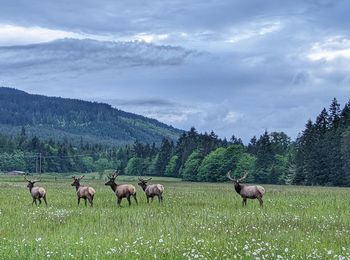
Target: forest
62	118
319	156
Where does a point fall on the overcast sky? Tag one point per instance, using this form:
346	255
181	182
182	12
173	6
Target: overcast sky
234	67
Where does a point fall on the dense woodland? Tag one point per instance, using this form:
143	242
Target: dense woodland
322	154
63	118
319	156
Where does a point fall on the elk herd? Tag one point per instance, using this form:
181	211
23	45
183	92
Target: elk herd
151	190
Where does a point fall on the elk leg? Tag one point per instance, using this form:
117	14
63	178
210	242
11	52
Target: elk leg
152	199
119	201
261	202
90	200
39	201
45	200
78	201
244	202
85	202
158	198
34	200
161	198
135	199
128	198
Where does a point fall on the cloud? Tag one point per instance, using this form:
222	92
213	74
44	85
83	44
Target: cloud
190	22
232	117
166	111
74	57
11	34
150	37
255	29
331	49
18	35
140	102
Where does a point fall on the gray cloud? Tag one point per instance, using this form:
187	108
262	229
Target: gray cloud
140	102
83	55
243	66
201	20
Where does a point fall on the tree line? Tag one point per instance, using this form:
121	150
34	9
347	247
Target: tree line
323	149
319	156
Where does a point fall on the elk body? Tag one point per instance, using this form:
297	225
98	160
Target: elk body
83	192
121	190
247	191
152	190
37	193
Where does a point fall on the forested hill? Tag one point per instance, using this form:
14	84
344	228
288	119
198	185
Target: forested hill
61	118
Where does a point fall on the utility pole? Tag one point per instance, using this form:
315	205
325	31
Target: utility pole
36	164
40	163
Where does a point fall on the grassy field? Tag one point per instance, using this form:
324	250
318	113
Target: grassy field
197	220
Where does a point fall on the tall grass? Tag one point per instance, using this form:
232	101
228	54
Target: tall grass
197	220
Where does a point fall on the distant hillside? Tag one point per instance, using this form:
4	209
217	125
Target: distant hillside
59	118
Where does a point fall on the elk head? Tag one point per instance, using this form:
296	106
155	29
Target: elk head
237	181
143	183
31	183
76	180
111	178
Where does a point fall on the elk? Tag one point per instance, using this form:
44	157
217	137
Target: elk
121	190
36	192
247	191
87	193
152	190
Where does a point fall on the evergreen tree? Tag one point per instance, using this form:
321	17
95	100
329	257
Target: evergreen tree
252	146
164	155
235	140
265	159
320	158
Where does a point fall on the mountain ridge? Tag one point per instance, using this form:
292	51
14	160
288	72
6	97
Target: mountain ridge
59	118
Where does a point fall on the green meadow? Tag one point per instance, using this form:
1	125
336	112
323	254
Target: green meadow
196	221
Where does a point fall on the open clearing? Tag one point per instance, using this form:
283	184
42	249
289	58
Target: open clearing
197	220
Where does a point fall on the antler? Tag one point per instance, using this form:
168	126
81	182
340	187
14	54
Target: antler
112	176
116	173
229	176
144	180
82	176
32	181
37	180
244	176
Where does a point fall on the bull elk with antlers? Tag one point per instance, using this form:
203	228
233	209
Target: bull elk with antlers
121	190
36	192
83	192
247	191
151	190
